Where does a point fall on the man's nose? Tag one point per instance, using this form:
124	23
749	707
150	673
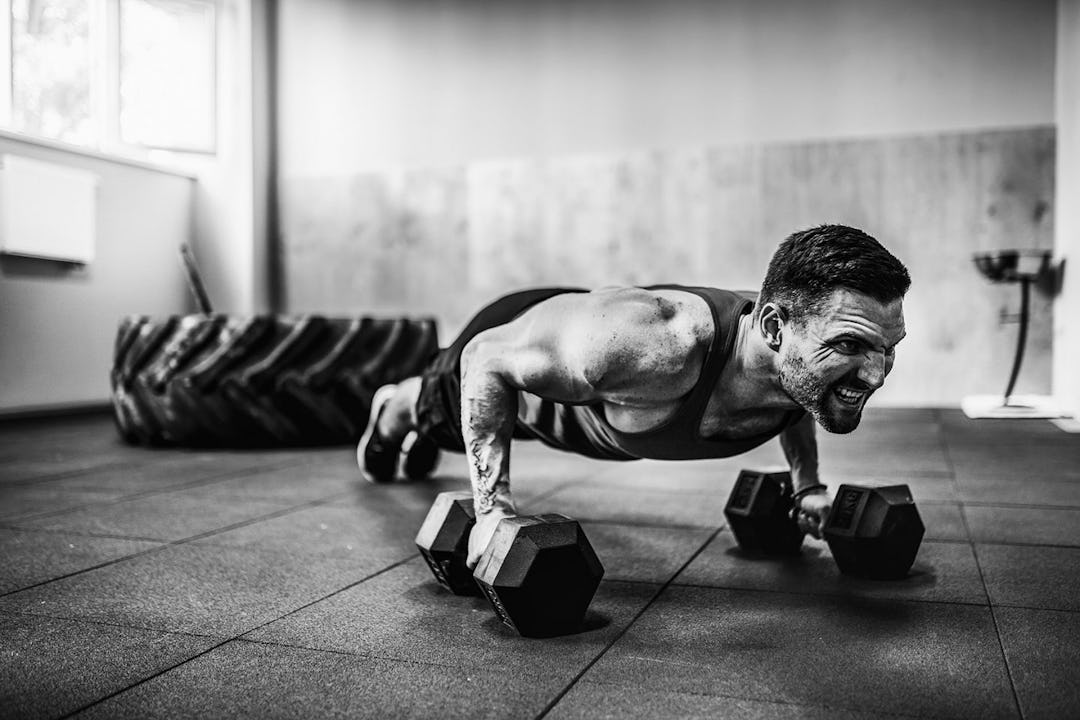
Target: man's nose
873	370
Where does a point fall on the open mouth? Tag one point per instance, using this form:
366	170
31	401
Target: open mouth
850	396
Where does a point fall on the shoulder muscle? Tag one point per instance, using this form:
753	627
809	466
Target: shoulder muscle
611	342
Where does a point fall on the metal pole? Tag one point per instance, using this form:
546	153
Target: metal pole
1021	338
191	271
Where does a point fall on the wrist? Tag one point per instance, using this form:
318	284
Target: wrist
809	489
498	504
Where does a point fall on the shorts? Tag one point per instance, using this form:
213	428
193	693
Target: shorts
438	409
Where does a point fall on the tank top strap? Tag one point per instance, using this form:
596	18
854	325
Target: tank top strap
726	308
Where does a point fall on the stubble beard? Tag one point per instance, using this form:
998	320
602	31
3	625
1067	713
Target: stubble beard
816	397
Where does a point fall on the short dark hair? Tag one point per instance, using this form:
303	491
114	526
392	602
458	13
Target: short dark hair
809	265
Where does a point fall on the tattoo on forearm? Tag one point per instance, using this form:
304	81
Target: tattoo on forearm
488	413
488	484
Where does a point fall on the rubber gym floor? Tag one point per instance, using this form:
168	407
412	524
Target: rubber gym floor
140	583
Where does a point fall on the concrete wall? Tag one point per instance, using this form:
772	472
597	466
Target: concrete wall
57	324
1067	236
444	242
368	84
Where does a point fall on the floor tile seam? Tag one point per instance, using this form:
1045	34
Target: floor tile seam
140	464
249	497
1005	661
648	525
997	628
147	493
227	637
175	543
947	541
361	655
1036	608
840	596
548	493
968	449
107	623
614	488
255	520
213	478
728	696
62	475
943	444
349	586
985	470
75	493
90	507
78	533
1017	506
140	538
934	503
619	635
143	681
381	656
1002	543
967	531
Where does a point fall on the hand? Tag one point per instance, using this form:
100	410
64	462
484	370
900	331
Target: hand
482	531
812	510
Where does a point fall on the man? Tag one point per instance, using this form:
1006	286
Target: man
667	372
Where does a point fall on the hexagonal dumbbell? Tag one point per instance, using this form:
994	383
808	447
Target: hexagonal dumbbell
758	512
444	541
540	574
874	532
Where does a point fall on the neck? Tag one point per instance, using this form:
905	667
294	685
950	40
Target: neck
750	379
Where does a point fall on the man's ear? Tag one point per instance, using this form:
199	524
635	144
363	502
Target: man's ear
771	324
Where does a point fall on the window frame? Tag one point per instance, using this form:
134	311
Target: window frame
105	100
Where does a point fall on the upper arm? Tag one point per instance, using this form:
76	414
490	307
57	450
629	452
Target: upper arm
581	347
800	433
799	441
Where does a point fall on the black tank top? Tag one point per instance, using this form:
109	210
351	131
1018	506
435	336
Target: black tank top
584	429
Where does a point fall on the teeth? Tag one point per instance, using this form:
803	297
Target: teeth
849	396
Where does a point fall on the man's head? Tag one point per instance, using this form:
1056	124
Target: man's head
831	307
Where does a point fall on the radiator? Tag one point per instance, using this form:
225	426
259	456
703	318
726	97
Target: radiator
47	210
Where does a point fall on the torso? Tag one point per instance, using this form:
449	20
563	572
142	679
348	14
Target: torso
719	426
718	421
681	398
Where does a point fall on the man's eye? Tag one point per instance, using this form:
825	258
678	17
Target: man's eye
848	347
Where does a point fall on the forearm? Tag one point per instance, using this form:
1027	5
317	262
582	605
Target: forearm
800	448
488	413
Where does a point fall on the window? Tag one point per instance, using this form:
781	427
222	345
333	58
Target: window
167	74
50	70
113	75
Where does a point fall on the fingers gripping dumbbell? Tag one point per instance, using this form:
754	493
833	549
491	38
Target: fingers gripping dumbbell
871	532
539	572
758	512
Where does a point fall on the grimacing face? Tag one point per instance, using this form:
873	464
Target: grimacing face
835	359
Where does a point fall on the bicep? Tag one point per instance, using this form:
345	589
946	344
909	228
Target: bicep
799	439
531	353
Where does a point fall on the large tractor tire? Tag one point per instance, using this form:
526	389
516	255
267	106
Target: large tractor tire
260	381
